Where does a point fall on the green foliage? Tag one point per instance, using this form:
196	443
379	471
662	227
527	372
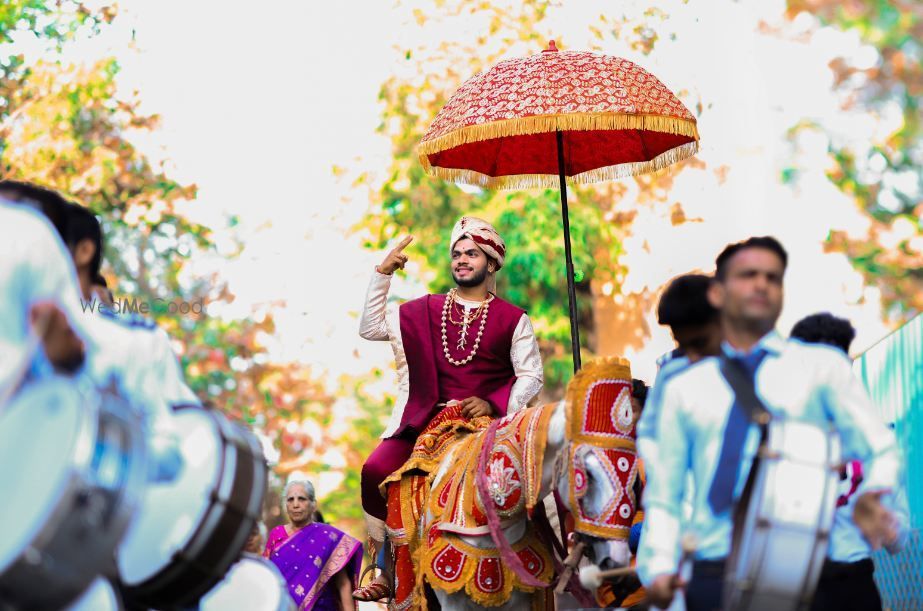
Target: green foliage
56	21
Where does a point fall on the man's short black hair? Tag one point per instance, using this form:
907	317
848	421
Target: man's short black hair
83	225
685	302
764	242
49	202
639	390
825	328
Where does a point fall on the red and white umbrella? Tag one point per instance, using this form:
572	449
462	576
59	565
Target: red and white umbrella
557	117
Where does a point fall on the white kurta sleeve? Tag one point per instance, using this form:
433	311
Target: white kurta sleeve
527	365
372	325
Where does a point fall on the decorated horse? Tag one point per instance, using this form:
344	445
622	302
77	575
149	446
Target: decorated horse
460	511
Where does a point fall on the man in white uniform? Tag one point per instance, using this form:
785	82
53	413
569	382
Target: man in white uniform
703	429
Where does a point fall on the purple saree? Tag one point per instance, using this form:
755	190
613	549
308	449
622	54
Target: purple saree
310	558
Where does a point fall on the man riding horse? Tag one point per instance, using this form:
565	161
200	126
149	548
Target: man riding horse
467	348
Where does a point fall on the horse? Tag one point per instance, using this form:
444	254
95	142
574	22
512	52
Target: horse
460	510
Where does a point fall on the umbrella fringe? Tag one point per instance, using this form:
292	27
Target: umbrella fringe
539	124
551	181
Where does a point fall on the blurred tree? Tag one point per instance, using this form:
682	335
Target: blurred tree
882	176
409	201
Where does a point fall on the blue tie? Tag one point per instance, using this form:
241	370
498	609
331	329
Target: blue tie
721	493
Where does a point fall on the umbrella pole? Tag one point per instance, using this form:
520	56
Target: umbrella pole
569	258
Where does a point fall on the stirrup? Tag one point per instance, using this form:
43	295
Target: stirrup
373	592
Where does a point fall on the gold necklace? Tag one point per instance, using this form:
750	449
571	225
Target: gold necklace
450	299
467	318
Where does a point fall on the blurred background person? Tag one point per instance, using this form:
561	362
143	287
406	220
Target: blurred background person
847	580
696	330
825	328
254	544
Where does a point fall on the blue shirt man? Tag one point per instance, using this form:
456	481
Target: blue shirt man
693	321
799	381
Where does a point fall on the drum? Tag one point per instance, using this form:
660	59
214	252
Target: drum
73	471
100	596
193	527
779	547
254	584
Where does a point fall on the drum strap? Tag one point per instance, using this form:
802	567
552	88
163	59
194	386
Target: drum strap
741	383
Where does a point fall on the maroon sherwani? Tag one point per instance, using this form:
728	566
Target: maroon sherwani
434	380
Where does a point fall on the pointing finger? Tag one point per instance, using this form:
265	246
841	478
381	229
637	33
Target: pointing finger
403	243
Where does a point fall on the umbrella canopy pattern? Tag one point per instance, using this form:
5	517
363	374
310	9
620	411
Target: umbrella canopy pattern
499	129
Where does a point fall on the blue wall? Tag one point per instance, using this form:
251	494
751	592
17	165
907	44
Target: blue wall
892	371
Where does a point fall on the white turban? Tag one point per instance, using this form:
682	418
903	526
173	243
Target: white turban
481	233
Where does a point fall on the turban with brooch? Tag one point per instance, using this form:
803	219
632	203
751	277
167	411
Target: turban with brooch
481	233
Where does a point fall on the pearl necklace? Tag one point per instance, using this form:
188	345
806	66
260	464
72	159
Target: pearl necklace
449	300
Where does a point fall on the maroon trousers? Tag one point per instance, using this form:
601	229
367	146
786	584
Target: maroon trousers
387	458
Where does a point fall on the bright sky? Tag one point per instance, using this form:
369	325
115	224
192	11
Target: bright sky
258	104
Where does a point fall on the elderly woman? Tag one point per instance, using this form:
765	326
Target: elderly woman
320	563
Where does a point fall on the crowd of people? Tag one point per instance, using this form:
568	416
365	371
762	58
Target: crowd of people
471	350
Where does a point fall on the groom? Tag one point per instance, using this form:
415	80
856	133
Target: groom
466	347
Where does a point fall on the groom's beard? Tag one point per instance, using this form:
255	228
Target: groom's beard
474	279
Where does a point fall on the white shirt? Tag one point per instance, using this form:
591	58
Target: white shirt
846	542
804	382
668	366
380	322
36	267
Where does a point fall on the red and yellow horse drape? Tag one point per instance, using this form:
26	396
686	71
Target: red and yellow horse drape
445	560
600	422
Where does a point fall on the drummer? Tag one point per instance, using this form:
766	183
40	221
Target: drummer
847	579
696	329
701	429
85	242
142	361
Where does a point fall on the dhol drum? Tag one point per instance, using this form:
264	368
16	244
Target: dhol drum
192	528
253	584
100	596
72	471
779	547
